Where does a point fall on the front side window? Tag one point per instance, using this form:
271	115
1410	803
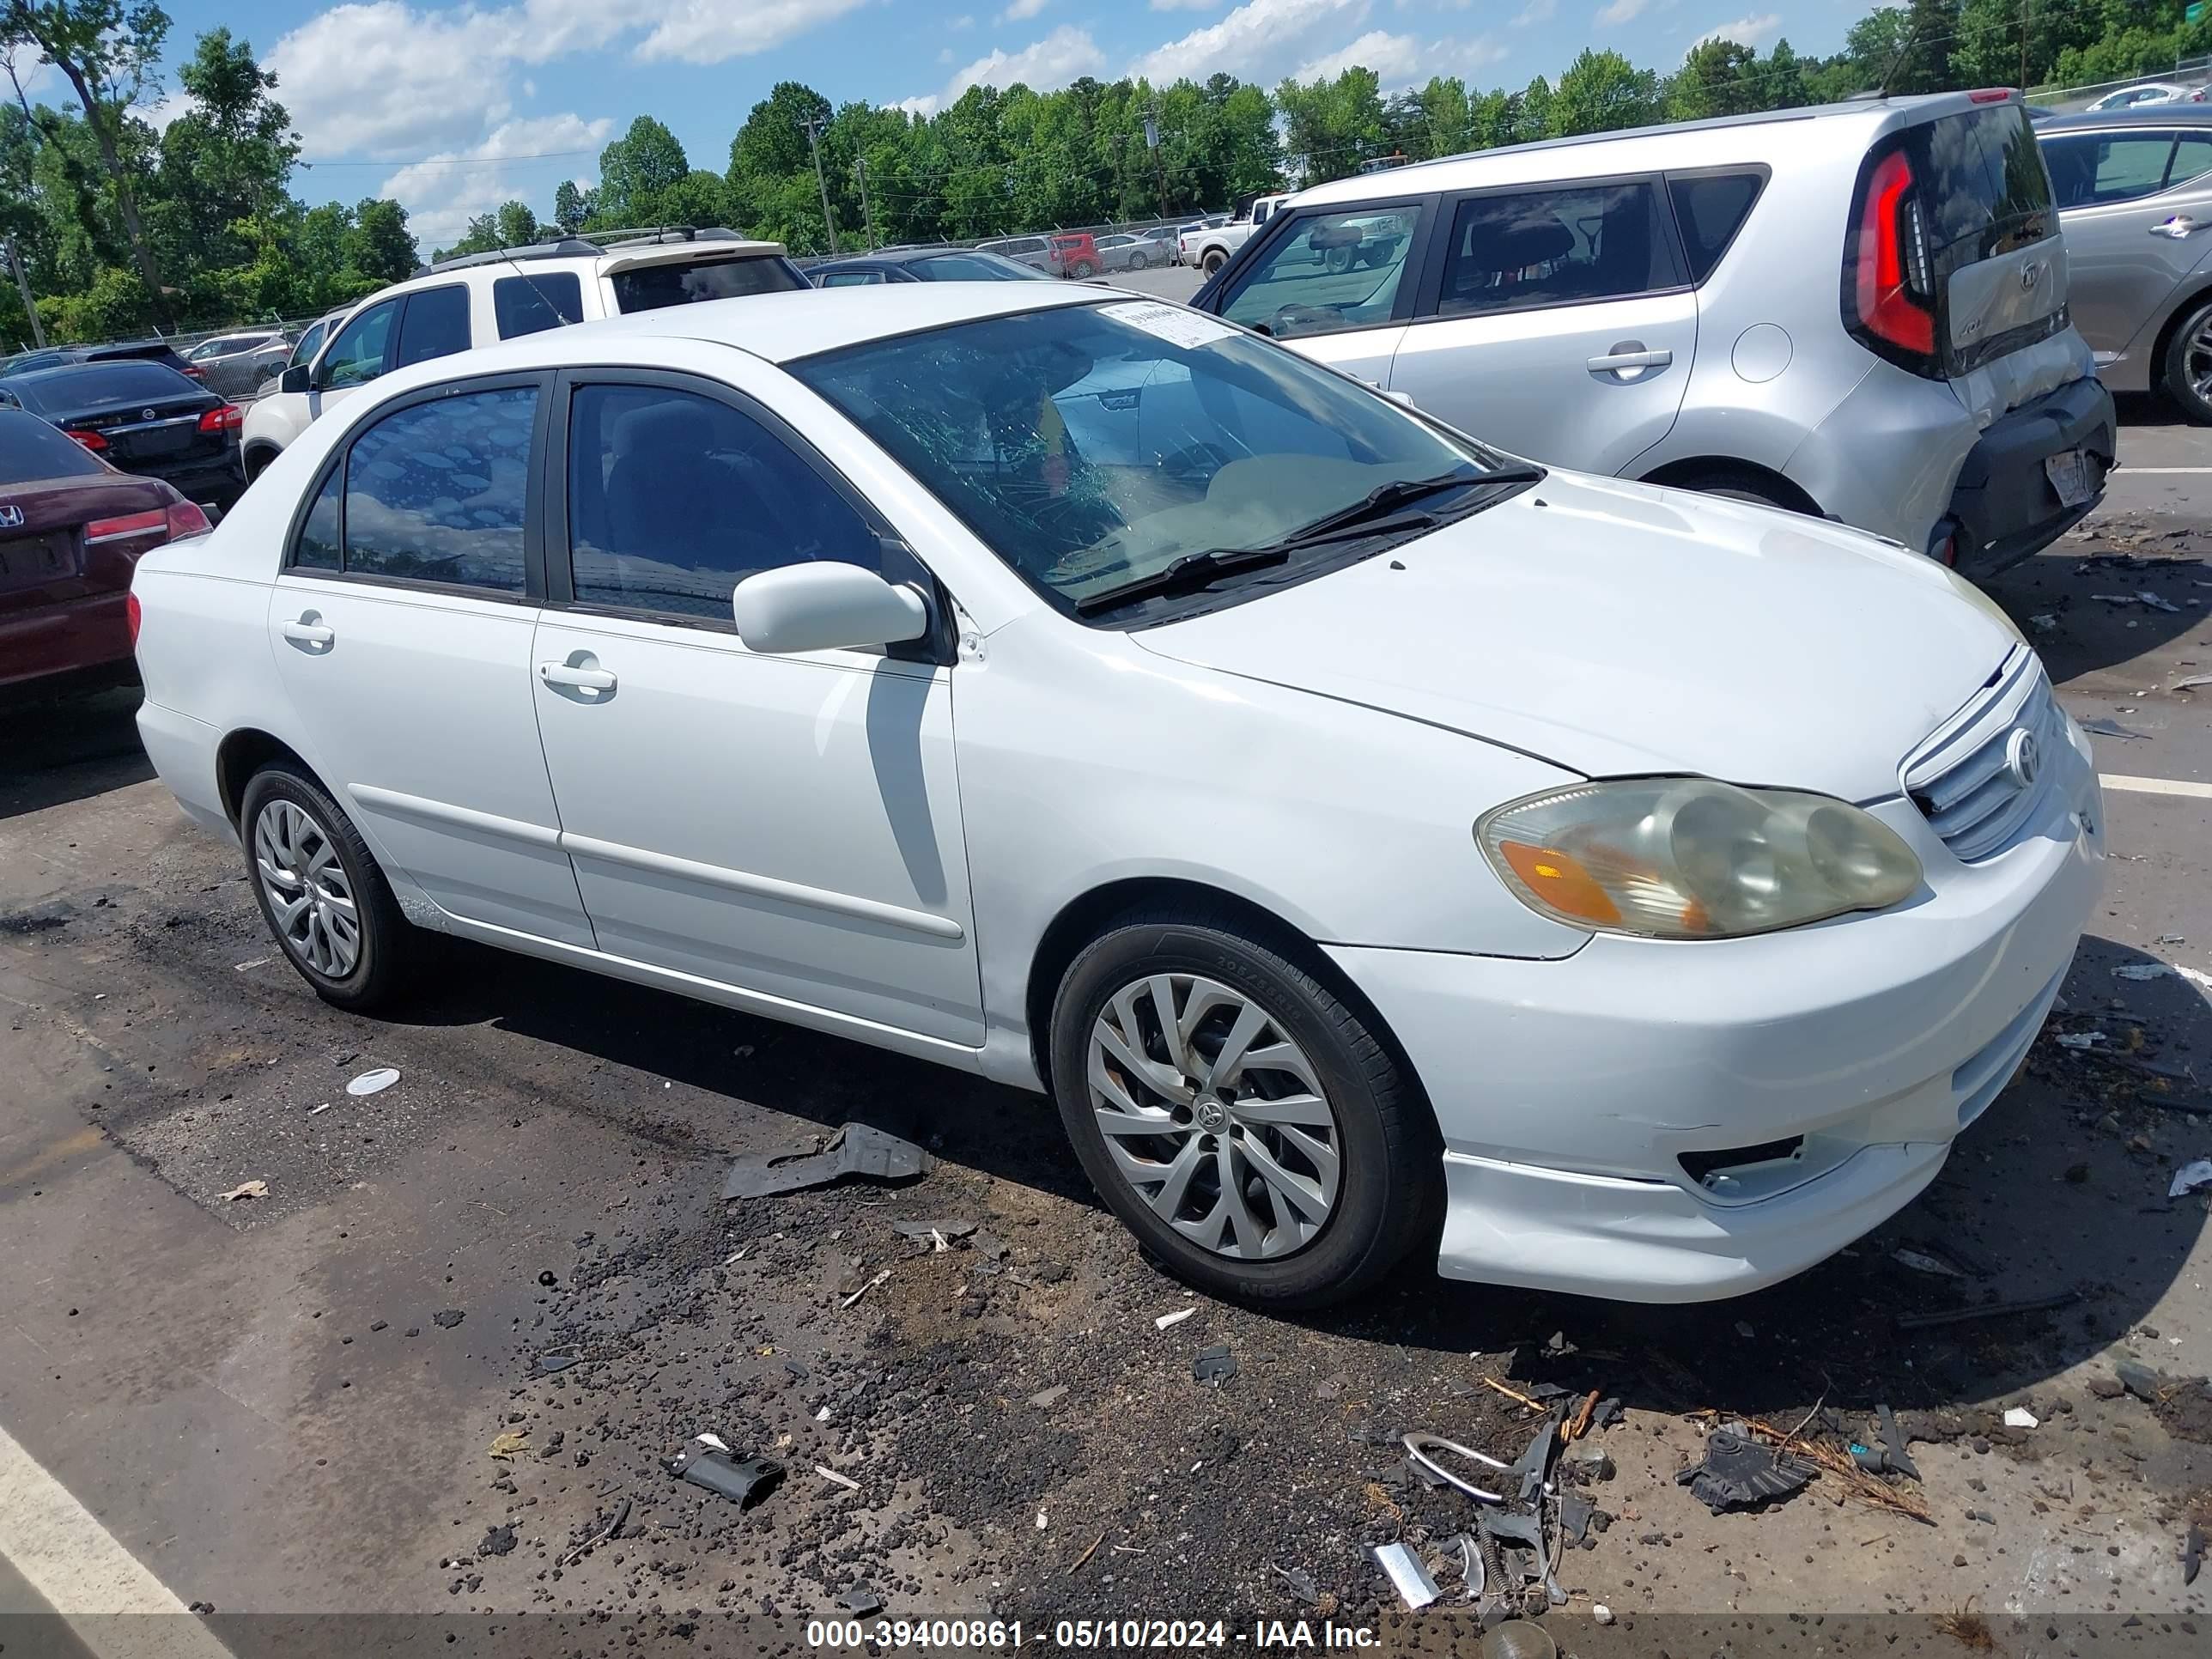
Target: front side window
1555	246
532	304
1341	269
852	278
674	498
649	288
435	325
2087	168
1093	447
309	344
434	492
356	356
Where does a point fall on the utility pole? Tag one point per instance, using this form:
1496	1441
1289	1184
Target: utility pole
23	287
1159	165
2025	6
867	213
829	224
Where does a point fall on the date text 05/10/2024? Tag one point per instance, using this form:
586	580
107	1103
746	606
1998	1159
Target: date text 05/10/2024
1164	1634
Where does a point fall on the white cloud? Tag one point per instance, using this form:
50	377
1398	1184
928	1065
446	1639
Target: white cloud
1184	5
1536	11
1746	31
1061	55
1393	58
1022	10
1258	41
965	20
441	197
714	31
1620	11
925	104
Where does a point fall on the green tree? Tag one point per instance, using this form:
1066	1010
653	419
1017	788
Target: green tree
635	169
572	206
1602	92
1717	78
380	245
515	224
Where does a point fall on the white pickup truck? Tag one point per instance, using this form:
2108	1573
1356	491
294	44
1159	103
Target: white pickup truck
1209	249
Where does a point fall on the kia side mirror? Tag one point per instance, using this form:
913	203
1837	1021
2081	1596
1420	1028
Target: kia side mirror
824	606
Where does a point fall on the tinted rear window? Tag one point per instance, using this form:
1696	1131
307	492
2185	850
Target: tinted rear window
1984	189
653	287
1710	210
435	325
29	449
528	305
89	385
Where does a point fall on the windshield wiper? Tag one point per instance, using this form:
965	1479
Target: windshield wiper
1384	500
1190	572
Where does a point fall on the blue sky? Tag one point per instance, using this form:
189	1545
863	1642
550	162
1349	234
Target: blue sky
455	107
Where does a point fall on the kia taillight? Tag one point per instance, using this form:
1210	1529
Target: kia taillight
91	440
130	615
225	419
1888	295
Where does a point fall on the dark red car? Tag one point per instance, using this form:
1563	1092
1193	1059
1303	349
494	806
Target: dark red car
71	529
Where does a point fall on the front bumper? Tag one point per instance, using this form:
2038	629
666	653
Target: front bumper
1569	1091
2004	504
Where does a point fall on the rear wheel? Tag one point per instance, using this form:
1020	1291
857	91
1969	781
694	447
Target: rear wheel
1740	484
1243	1121
322	894
1083	271
1213	260
2188	368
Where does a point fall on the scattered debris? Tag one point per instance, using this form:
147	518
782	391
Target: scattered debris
1175	1318
837	1479
2142	970
2044	621
2104	727
505	1446
2157	602
941	1233
1738	1473
1300	1581
1986	1310
1213	1365
1966	1627
1406	1573
2190	1177
1421	1450
243	1189
2079	1041
1046	1399
2192	1554
1893	1442
445	1318
2019	1416
1589	1460
2141	1381
549	1363
857	1149
744	1483
866	1288
1575	1513
374	1082
1921	1262
860	1602
2192	682
612	1528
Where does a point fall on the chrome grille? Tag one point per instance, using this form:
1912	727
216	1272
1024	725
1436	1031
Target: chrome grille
1962	779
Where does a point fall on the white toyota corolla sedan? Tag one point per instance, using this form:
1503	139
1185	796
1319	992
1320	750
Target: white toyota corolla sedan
1353	828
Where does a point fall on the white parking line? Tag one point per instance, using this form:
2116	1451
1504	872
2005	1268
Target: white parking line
81	1572
2154	785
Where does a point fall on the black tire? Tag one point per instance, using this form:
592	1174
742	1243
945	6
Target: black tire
1212	260
390	950
257	462
1083	270
2173	373
1390	1151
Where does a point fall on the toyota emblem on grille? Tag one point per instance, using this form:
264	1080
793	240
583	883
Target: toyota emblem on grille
2023	758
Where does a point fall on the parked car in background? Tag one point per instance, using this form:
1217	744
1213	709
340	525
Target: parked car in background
1124	252
1034	252
140	418
479	298
152	352
2138	97
921	264
309	343
1074	254
233	364
1408	894
2134	189
1856	311
1209	247
1163	238
71	528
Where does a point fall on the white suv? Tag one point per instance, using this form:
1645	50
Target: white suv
481	298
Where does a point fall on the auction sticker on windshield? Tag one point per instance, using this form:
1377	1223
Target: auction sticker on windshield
1171	323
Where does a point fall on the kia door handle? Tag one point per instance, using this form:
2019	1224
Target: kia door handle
2181	227
580	679
311	635
1628	361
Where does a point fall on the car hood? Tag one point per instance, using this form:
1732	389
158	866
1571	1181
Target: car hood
1615	629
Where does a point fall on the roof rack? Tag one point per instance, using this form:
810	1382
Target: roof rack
599	241
568	247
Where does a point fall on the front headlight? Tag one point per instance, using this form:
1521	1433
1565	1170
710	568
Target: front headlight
1689	857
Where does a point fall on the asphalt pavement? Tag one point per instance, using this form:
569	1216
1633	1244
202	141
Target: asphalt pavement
285	1413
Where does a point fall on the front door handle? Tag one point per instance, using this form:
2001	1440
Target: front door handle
581	679
2181	227
309	634
1627	362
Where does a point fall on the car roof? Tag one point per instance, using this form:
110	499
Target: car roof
2154	115
890	255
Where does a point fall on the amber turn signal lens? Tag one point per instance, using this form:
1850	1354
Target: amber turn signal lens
1559	881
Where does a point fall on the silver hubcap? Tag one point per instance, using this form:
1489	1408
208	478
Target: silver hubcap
2197	362
308	889
1214	1116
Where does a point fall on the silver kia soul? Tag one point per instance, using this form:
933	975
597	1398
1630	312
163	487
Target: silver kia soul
1858	311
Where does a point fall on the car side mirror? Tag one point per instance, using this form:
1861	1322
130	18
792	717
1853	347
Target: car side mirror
294	379
824	606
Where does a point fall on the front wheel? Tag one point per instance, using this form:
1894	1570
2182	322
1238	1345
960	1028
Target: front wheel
1242	1120
257	462
2188	368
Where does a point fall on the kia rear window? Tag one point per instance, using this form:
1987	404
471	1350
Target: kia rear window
29	449
1710	209
1985	190
649	288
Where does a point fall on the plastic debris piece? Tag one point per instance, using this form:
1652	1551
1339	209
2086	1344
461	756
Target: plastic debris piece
1921	1262
2192	1554
1213	1365
2139	1380
857	1148
2142	970
1602	1613
2190	1177
2078	1041
1575	1512
2192	682
243	1189
374	1082
1175	1318
317	1111
860	1602
866	1288
1738	1473
714	1441
549	1363
504	1446
835	1478
2019	1416
1406	1573
1893	1440
2157	602
744	1483
1301	1583
1519	1639
942	1231
1986	1310
2104	727
1045	1399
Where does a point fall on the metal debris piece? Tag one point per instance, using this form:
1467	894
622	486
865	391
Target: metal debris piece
1921	1262
1893	1440
374	1082
2157	602
243	1189
1300	1581
613	1528
943	1231
744	1483
2192	1554
1213	1365
1421	1448
1523	1530
1575	1512
860	1602
835	1478
2079	1041
2105	727
1986	1310
857	1148
2190	1177
1175	1318
1406	1573
1738	1473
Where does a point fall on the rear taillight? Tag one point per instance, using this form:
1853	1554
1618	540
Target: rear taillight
225	419
1889	304
130	614
185	519
192	369
91	440
173	523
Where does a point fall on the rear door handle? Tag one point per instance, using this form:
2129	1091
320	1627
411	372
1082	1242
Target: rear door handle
313	635
2181	227
1627	362
583	679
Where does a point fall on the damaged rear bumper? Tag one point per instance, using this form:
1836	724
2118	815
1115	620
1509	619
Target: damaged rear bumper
1674	1122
